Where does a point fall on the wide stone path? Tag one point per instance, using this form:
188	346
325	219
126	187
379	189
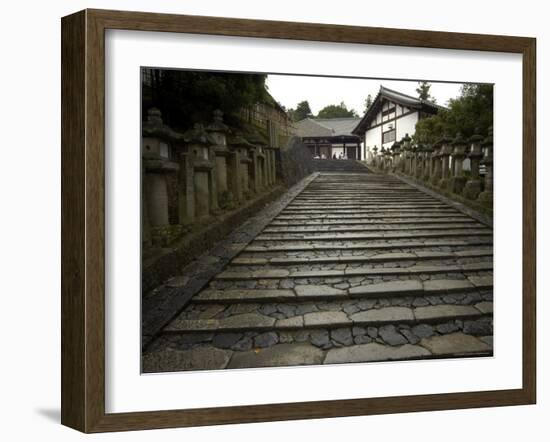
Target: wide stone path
358	267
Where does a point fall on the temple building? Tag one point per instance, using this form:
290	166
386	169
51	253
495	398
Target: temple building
330	137
391	116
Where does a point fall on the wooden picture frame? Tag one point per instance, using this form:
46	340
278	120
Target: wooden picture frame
83	216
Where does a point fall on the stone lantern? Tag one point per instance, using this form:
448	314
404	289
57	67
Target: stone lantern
487	195
414	158
382	158
201	162
428	162
396	151
420	157
241	161
218	132
458	180
257	169
444	153
157	170
374	157
388	159
472	187
406	143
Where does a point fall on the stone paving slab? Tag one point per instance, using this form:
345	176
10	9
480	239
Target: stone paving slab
374	352
485	307
394	288
383	316
441	312
369	221
363	228
376	216
309	293
243	295
246	321
481	281
413	270
381	235
278	356
201	358
326	319
318	291
364	245
454	344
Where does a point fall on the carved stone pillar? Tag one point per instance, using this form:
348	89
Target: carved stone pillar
186	189
473	186
419	170
435	174
428	162
242	165
486	196
157	167
458	180
218	131
445	167
200	148
395	155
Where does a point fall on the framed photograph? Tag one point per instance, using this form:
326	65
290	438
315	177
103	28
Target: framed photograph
267	220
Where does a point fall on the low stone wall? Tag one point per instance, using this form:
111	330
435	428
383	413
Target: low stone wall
168	262
441	167
294	162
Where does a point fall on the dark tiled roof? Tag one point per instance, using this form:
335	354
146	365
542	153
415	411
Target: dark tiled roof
326	127
396	97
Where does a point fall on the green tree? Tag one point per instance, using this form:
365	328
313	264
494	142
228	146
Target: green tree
423	91
336	111
188	97
302	111
368	103
471	111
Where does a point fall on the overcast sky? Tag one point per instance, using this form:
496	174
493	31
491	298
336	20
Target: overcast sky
289	90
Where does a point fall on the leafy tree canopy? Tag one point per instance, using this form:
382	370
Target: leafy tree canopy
302	111
368	102
471	111
188	97
423	91
336	111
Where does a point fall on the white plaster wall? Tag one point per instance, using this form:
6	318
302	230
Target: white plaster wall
406	125
373	138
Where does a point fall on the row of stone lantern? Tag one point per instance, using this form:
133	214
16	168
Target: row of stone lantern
442	164
190	177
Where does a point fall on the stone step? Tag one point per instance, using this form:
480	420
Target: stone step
254	353
445	346
369	221
304	247
376	228
431	314
395	212
379	215
373	236
369	203
366	197
277	273
310	292
360	192
381	257
400	205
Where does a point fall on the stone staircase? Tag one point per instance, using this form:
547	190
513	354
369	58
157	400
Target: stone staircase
339	166
357	268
